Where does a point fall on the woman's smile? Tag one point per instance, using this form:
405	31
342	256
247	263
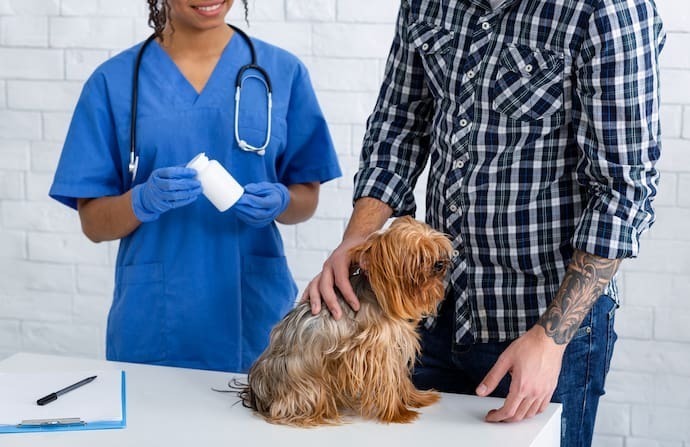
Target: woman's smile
209	9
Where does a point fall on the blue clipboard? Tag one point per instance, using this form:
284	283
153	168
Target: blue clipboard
71	423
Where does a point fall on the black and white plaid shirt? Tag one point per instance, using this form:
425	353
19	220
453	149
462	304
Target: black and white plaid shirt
541	123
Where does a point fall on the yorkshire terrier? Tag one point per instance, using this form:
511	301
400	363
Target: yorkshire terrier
316	369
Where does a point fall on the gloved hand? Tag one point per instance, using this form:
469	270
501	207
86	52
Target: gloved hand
261	203
166	188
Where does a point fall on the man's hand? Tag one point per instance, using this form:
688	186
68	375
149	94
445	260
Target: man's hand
534	363
534	359
335	273
368	216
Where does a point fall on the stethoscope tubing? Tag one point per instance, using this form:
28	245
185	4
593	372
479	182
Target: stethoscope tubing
239	80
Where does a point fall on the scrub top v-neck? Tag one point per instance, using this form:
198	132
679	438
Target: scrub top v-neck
195	288
185	91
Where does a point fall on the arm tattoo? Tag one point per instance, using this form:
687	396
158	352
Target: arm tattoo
586	278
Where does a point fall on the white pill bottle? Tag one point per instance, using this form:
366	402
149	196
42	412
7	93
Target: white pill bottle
219	187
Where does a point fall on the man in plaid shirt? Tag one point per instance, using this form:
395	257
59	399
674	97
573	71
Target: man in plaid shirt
540	121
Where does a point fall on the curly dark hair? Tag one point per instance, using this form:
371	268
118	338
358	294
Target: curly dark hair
159	14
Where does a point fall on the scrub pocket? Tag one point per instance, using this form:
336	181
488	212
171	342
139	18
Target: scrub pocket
529	84
255	130
252	124
249	166
268	293
434	45
137	320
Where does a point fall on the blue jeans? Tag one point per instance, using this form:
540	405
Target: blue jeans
585	364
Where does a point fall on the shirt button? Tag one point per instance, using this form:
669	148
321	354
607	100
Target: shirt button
453	208
425	46
463	122
458	164
528	68
486	26
456	253
470	74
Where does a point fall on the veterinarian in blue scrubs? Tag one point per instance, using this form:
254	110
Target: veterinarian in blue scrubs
195	287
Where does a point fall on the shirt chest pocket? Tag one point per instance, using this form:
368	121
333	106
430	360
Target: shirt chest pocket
529	84
434	45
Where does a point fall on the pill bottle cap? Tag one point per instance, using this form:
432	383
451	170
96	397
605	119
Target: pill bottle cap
199	162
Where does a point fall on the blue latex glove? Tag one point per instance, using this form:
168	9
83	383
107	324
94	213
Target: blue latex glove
166	188
261	203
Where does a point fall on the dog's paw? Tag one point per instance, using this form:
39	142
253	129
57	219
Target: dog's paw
421	399
404	416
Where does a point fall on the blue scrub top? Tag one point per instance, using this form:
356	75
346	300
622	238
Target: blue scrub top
196	288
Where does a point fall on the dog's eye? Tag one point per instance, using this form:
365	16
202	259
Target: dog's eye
440	266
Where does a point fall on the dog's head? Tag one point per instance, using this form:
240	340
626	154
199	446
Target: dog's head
406	266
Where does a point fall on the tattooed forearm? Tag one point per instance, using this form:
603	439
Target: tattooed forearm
586	278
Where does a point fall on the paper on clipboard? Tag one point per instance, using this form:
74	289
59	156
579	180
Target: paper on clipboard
101	401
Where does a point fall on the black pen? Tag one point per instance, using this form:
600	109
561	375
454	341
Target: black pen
53	396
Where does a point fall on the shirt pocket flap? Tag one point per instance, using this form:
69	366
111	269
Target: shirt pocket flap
527	61
428	38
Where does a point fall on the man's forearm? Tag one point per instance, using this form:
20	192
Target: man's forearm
586	278
368	215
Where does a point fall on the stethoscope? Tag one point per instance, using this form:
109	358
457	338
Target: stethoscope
239	81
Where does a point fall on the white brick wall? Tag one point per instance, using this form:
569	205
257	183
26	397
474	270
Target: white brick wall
80	63
310	10
13	31
55	286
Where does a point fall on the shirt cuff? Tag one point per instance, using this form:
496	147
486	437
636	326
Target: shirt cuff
606	236
388	187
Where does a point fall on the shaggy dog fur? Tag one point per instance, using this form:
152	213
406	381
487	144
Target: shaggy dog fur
315	368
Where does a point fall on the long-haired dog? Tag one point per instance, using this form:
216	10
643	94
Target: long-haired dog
315	368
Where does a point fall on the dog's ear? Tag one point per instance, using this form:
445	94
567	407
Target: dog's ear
361	254
401	265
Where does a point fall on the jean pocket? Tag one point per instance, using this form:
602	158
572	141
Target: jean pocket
572	379
529	84
434	45
611	335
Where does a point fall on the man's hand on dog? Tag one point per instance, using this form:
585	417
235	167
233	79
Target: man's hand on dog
368	215
335	273
534	364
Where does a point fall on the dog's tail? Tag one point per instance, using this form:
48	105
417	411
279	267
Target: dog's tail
246	395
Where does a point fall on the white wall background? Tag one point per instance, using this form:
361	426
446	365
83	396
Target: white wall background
55	285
